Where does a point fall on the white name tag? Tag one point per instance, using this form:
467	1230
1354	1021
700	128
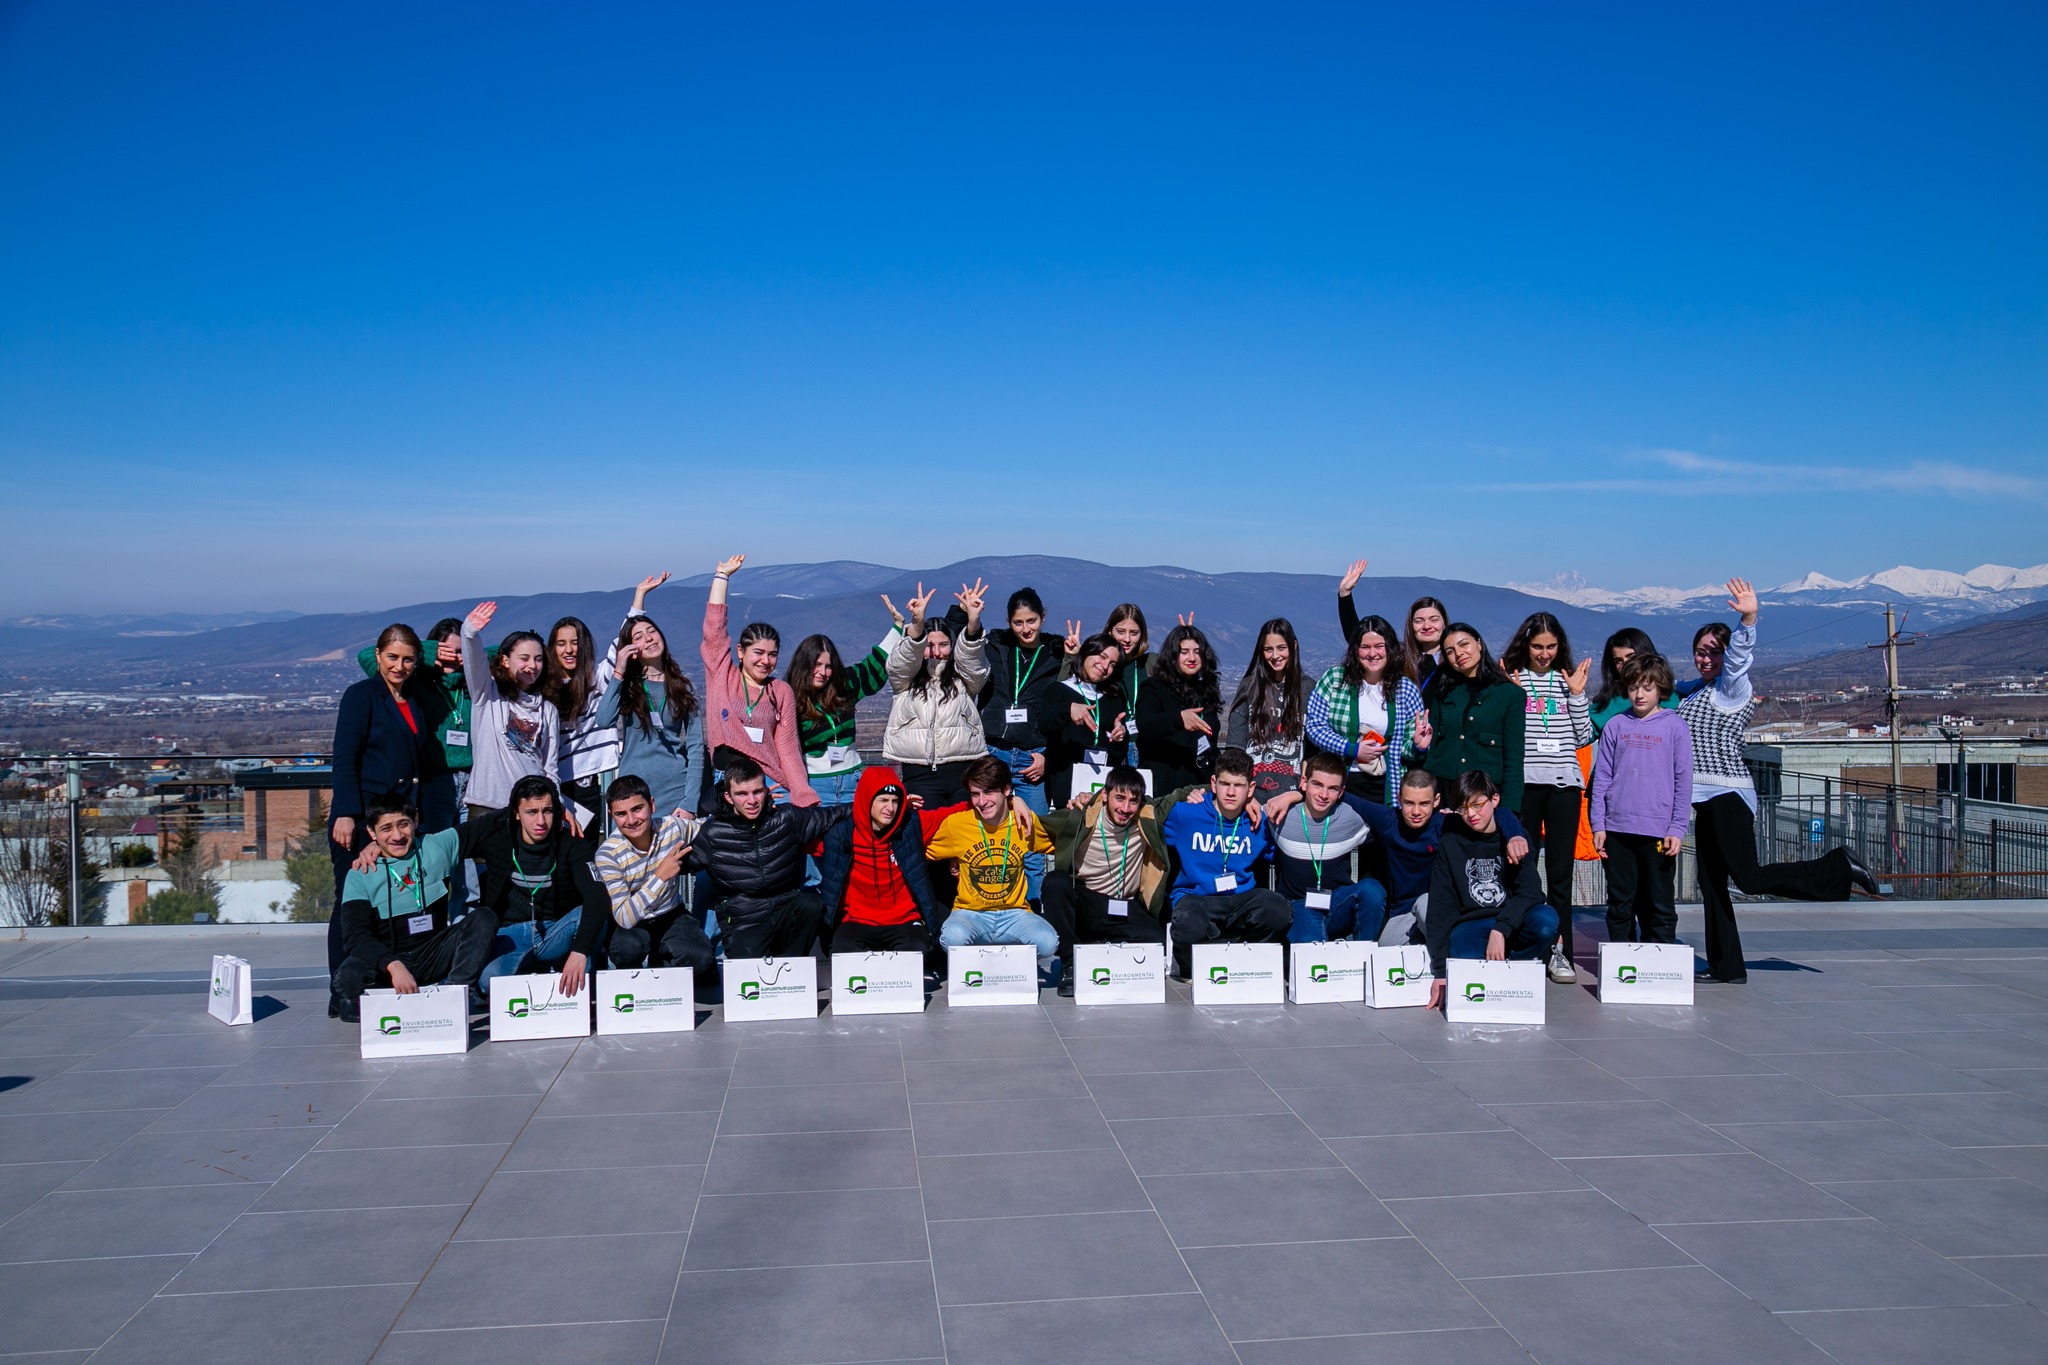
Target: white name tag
419	924
1131	726
1227	882
1096	757
1318	900
1016	715
1202	745
1120	909
840	755
458	739
755	733
1549	746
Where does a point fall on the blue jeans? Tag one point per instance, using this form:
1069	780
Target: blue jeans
516	950
967	928
1356	911
836	790
1032	794
1533	939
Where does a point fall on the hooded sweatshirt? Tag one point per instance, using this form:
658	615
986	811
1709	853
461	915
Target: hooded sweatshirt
883	881
1473	880
1212	848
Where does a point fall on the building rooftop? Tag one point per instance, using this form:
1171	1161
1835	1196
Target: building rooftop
1845	1160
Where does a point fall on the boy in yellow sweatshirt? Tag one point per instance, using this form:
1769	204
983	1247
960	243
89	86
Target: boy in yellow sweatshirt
989	841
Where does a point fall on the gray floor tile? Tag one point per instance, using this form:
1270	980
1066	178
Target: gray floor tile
304	1326
804	1316
79	1092
1732	1188
1982	1048
22	1184
589	1343
573	1142
1427	1107
1451	1346
252	1156
1097	1180
1991	1119
1875	1150
818	1066
493	1284
1609	1128
1776	1035
1255	1142
1425	1036
76	1305
68	1224
696	1051
1975	998
1128	1056
1953	1336
505	1069
2027	1163
1841	1263
308	1104
1880	1016
1336	1068
1535	1081
995	1078
1634	1057
280	1063
635	1092
175	1051
1523	1234
1421	1167
809	1228
1751	1099
784	1163
79	1040
1318	1289
530	1204
85	1136
1999	1217
1159	1329
978	1042
2025	1277
1184	1094
1600	1319
1859	1074
1244	1208
1067	1256
815	1109
431	1123
320	1250
383	1177
992	1127
2031	1081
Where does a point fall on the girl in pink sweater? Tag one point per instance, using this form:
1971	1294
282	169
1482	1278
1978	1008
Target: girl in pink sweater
747	709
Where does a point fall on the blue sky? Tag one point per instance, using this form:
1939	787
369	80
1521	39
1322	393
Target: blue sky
338	307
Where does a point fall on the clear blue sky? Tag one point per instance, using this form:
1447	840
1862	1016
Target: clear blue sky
328	307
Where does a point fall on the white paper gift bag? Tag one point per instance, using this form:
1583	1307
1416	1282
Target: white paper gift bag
992	974
1645	974
1239	974
1398	978
758	988
430	1022
1119	974
878	983
526	1007
650	1000
1482	992
232	997
1331	972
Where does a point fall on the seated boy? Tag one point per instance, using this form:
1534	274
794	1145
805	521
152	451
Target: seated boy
394	915
1312	858
1110	868
1219	842
641	871
1482	903
989	839
754	851
871	867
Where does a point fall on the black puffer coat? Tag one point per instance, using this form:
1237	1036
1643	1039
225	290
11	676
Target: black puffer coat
759	859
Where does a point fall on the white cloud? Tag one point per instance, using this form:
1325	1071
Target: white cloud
1707	474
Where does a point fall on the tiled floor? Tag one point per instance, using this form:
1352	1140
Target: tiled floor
1845	1160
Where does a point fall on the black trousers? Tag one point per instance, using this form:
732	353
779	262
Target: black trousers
1642	890
673	939
880	938
456	955
1254	916
1724	833
782	926
1082	916
1550	817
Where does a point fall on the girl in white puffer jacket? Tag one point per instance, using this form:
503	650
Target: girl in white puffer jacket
935	727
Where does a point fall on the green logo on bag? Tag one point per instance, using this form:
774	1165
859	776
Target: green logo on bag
390	1023
1100	976
857	985
970	978
623	1004
1475	991
220	987
1318	972
1219	976
516	1007
1397	976
750	990
1625	974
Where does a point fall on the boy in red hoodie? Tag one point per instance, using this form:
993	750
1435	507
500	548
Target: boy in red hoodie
877	898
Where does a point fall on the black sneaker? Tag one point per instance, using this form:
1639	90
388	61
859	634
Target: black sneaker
347	1011
1860	875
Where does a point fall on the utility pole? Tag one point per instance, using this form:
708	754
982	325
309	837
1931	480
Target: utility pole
72	792
1894	806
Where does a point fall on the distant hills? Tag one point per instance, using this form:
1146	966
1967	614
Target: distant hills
1988	649
290	653
1940	596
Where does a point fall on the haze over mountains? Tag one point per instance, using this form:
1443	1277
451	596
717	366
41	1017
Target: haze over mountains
278	652
1942	596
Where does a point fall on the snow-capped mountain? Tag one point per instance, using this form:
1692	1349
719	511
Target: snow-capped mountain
1941	594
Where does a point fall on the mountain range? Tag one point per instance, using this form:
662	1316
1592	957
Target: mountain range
1941	596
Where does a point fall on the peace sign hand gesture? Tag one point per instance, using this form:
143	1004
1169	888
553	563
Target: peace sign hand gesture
1186	620
1072	644
918	602
1350	578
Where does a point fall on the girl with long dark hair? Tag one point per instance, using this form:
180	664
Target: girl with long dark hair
827	690
1368	711
1476	716
515	729
659	720
1269	709
1179	710
936	670
1427	618
1612	697
747	709
1082	719
1555	726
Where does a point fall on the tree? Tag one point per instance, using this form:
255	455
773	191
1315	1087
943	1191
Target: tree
35	866
193	891
310	868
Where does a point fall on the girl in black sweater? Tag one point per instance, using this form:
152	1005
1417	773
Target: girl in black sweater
1178	710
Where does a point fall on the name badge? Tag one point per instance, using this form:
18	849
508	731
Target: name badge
1095	757
1016	715
457	739
1120	909
840	755
755	733
1227	882
419	924
1549	746
1131	726
1318	900
1202	745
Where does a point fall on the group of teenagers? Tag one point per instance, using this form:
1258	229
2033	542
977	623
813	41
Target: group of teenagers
544	805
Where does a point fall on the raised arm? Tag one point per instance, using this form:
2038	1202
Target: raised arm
1347	610
716	649
476	664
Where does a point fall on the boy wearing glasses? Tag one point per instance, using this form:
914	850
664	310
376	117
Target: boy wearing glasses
1482	903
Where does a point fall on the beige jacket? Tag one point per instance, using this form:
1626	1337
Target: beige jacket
932	728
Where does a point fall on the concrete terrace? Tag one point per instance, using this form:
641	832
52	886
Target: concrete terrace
1846	1160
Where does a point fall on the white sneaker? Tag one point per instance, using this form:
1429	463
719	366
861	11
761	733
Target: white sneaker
1561	970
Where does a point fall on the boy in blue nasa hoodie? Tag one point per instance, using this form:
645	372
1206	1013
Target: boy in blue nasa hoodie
1217	845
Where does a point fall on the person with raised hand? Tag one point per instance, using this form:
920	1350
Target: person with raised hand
654	709
1477	716
1556	724
1270	710
1347	607
747	709
1368	711
936	670
1178	714
827	691
1082	719
1022	667
1483	902
1218	840
1724	795
516	728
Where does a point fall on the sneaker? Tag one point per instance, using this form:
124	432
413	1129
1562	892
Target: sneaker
1859	876
1561	969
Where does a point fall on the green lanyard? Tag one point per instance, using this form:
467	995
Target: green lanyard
1123	851
532	892
751	701
1321	852
419	879
1221	838
1020	671
987	844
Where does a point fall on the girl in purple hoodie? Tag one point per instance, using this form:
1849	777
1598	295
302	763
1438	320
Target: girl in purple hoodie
1642	795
